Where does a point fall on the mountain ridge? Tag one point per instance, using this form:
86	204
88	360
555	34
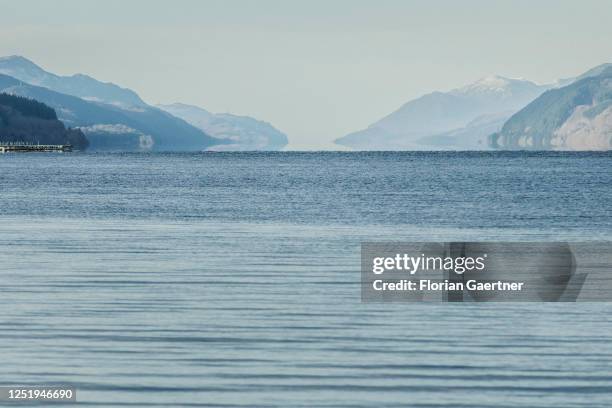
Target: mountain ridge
150	129
437	113
574	117
81	85
242	132
105	112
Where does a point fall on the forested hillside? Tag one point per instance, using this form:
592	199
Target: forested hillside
24	120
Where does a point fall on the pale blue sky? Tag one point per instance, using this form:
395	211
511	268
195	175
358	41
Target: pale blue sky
315	69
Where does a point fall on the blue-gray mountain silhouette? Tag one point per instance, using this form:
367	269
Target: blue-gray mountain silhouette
242	132
458	119
80	85
112	118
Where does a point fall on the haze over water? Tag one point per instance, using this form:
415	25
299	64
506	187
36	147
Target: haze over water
232	279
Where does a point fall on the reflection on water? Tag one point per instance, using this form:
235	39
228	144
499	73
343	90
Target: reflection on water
185	281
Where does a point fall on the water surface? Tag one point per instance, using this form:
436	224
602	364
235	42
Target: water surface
233	279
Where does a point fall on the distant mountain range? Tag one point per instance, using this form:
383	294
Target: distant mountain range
111	118
243	132
458	119
117	119
492	113
575	117
108	127
500	113
80	85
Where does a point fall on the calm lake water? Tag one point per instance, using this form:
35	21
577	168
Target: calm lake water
232	280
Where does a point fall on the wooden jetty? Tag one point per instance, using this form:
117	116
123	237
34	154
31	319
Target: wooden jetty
27	147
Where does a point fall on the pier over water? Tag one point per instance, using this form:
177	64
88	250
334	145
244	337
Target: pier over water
15	147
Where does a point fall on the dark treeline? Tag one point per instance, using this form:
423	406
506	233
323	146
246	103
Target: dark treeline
24	120
28	107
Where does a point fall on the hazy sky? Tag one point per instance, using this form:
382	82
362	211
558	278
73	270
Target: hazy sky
315	69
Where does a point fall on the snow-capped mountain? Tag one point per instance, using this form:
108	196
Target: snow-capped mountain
243	132
429	122
496	85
